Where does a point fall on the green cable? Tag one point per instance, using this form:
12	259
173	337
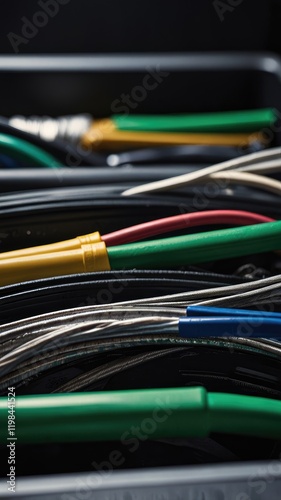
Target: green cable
245	415
24	151
230	121
194	248
156	413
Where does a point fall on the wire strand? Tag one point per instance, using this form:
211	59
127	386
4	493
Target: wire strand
183	180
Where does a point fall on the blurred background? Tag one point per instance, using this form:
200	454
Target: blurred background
126	26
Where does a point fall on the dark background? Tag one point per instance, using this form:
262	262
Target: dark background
149	25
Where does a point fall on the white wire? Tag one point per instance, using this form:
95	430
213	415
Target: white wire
264	167
246	179
182	180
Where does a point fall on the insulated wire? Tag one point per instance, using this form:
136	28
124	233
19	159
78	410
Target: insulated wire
263	167
42	325
104	135
183	180
246	179
168	252
202	247
187	154
65	152
108	327
193	412
224	121
148	229
183	221
27	152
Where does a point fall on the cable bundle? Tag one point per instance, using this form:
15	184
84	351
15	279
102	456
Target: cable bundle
90	253
60	341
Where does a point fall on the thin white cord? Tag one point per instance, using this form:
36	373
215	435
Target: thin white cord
247	179
183	180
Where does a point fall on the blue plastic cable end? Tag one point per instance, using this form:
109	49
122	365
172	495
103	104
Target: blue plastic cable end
199	311
228	326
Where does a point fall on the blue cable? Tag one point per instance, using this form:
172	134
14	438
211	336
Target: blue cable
229	326
196	311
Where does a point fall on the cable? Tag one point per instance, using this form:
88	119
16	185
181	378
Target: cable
80	325
52	294
67	128
64	246
24	338
199	311
264	167
178	154
88	258
184	221
62	355
168	252
247	179
226	121
26	152
203	247
183	180
108	415
230	326
85	332
19	179
104	135
112	368
236	290
246	298
143	231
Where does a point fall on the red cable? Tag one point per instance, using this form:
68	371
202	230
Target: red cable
161	226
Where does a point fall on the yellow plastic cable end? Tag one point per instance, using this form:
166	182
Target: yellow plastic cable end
87	258
95	257
61	246
89	239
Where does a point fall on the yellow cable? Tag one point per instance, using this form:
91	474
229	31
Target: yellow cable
88	258
61	246
104	135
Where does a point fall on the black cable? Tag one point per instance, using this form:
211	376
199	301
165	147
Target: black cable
112	368
179	154
52	294
38	178
216	366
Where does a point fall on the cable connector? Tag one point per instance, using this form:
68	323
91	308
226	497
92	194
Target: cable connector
61	246
88	258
